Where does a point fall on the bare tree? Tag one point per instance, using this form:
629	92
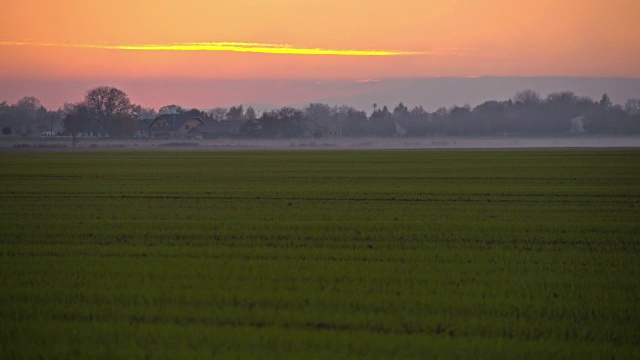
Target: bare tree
235	113
632	106
170	109
104	102
527	97
250	113
30	105
218	114
318	113
143	112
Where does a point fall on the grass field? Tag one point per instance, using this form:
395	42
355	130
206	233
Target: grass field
423	254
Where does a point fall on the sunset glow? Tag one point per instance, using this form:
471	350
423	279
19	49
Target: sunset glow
116	41
226	46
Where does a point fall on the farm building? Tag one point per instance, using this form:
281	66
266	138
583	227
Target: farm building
171	126
181	126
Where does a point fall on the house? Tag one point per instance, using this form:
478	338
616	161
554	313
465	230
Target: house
143	128
577	124
173	126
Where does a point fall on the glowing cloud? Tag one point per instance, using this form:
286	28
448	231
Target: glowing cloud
280	49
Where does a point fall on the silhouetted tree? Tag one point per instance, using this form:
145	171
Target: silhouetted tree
30	105
104	101
191	113
319	118
605	102
235	113
170	109
250	113
417	122
218	114
318	113
382	122
527	98
75	120
559	109
354	123
459	120
490	118
284	122
400	111
29	115
144	113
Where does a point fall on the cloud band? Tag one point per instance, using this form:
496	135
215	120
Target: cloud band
279	49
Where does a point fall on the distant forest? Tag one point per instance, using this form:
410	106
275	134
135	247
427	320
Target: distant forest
107	111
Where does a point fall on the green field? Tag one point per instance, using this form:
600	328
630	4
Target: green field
373	254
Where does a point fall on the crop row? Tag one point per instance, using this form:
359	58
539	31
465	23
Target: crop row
320	254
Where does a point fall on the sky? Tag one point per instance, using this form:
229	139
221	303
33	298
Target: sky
256	49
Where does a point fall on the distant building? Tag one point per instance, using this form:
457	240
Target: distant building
577	124
400	131
183	126
143	128
172	126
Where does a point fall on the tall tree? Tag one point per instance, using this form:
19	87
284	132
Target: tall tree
250	113
318	113
104	102
29	115
382	122
30	105
527	97
218	114
284	122
235	113
605	101
75	120
400	111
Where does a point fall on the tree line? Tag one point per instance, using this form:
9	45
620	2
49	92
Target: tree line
107	111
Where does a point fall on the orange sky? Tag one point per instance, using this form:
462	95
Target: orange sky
83	39
458	38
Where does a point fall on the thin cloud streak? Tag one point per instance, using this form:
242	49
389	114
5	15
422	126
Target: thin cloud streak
279	49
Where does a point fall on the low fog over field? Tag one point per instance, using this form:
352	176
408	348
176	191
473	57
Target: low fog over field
61	144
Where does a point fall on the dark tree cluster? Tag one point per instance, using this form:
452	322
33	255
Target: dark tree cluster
526	114
26	117
104	111
107	111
